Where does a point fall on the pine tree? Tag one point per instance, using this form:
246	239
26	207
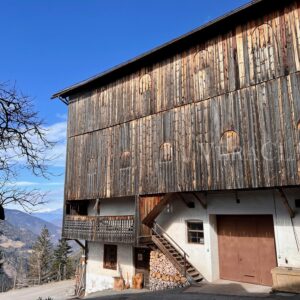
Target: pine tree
41	258
62	264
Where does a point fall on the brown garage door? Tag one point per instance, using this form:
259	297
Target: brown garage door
246	248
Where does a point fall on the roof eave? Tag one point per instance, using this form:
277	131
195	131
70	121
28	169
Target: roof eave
62	94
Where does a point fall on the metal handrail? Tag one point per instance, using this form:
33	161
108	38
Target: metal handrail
185	255
169	237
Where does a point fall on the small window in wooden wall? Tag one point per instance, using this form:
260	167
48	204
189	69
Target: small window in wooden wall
230	142
264	52
145	84
202	74
166	152
125	160
110	258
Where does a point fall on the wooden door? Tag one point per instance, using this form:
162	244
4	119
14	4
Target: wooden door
246	248
146	205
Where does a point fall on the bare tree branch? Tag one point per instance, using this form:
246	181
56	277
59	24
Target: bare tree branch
23	143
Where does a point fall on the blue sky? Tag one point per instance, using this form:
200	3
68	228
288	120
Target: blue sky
50	44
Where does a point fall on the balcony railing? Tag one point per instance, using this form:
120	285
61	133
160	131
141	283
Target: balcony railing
118	229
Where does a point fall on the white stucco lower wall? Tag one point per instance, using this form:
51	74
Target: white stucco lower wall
205	257
113	207
99	278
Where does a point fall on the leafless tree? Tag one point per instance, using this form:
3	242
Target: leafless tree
23	144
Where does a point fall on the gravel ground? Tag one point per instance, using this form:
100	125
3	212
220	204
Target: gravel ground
225	291
58	291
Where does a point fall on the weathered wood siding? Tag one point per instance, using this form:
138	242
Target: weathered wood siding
223	114
257	51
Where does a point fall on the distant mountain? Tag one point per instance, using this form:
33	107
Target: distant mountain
54	216
27	224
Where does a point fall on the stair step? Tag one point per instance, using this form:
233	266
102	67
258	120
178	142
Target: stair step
179	260
190	269
172	251
193	274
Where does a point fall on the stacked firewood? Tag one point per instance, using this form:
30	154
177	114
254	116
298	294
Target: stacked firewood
163	275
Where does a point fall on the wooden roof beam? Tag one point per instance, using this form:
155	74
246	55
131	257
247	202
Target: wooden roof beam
77	242
201	201
153	214
189	204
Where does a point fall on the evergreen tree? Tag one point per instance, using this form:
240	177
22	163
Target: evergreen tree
62	267
40	261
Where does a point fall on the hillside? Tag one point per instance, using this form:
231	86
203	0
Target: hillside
25	224
17	235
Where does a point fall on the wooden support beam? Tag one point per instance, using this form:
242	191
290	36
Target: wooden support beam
286	203
80	244
201	201
189	204
153	214
77	242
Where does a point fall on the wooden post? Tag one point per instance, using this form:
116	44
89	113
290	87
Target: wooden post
184	270
286	203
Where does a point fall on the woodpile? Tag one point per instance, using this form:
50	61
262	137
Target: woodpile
163	275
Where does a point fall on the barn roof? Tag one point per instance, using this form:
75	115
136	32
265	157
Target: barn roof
216	26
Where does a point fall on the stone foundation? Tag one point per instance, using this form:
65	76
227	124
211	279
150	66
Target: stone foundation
163	275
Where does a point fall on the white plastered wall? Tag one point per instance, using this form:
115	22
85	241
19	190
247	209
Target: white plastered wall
205	257
97	277
114	207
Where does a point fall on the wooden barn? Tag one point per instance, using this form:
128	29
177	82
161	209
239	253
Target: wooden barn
189	155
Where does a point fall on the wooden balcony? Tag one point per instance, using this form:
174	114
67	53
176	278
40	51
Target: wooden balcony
115	229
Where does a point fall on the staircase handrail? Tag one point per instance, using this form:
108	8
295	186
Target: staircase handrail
169	238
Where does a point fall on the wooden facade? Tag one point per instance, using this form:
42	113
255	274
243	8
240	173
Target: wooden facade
221	113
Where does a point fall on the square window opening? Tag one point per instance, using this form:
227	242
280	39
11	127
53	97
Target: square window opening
195	232
110	257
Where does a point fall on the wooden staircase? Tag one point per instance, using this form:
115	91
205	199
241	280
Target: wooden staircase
175	254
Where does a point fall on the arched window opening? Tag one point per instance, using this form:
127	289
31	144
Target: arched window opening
166	152
145	84
92	175
202	74
230	142
264	51
92	167
125	160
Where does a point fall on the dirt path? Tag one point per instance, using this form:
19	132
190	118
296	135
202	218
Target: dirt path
57	291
